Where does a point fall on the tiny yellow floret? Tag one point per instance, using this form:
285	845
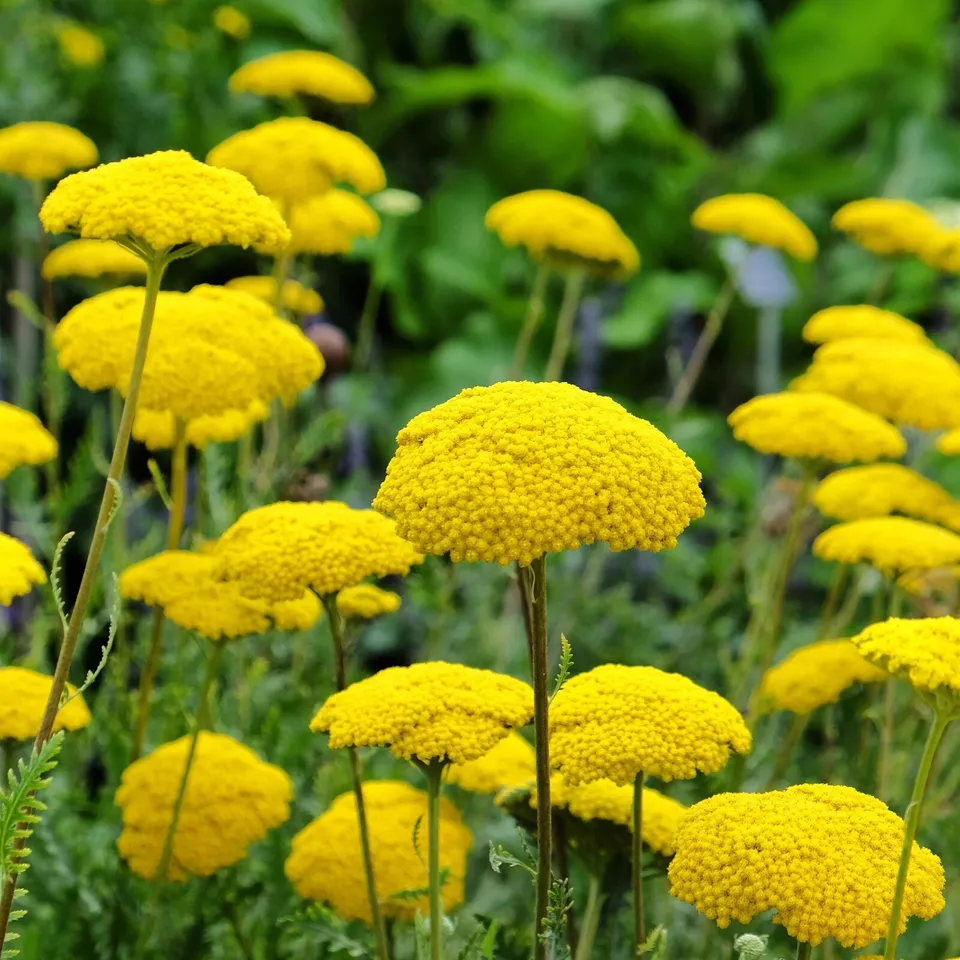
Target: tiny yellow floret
310	72
23	699
510	763
891	544
24	440
40	150
19	571
861	321
91	258
295	296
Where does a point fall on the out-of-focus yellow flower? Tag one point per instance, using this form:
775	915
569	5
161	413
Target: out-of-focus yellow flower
23	699
512	471
884	226
39	150
949	443
295	296
940	249
564	229
82	47
366	601
309	72
824	857
326	861
24	440
927	583
510	763
157	428
91	258
232	800
758	219
861	321
232	22
329	223
19	571
891	544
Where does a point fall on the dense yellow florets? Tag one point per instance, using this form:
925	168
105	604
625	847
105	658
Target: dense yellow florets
232	800
164	199
561	227
861	322
277	551
365	601
19	572
157	429
512	471
814	425
23	699
82	47
295	297
39	150
24	440
329	223
824	857
891	544
816	675
431	711
232	22
326	861
757	219
886	226
91	258
510	763
615	722
307	72
949	443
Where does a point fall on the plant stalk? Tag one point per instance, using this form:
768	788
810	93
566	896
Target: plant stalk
639	932
591	919
565	320
434	774
832	600
804	950
889	704
531	320
798	725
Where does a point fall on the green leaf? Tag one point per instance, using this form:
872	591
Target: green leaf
618	107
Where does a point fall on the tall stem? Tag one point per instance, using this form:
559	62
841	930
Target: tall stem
804	950
329	601
787	748
832	600
434	774
526	608
591	919
564	332
531	320
365	327
639	933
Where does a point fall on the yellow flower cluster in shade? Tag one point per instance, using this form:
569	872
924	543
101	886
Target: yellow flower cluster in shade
366	601
326	860
512	471
211	350
910	383
24	440
824	857
309	72
891	544
82	47
19	571
615	722
294	158
232	800
927	583
561	228
861	321
91	258
758	219
512	762
157	428
294	297
164	199
329	223
816	675
23	699
277	551
814	425
885	226
949	443
40	150
232	22
431	711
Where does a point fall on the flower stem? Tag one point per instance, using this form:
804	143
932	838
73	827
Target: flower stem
591	919
565	319
531	320
787	748
365	327
831	602
639	933
889	704
434	774
804	950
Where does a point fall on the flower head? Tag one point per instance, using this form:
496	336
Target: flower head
814	425
563	228
232	22
23	699
91	258
329	223
19	572
949	443
861	322
615	722
824	857
295	296
82	47
366	601
309	72
23	440
164	199
891	544
512	471
431	711
326	862
39	150
940	248
232	800
511	762
157	428
757	219
886	226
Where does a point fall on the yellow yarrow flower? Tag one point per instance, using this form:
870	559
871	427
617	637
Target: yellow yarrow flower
615	722
295	296
940	249
232	22
326	860
24	440
366	601
156	429
824	857
90	258
232	800
757	219
814	425
277	551
891	544
949	443
928	583
513	471
885	226
431	711
330	223
861	322
294	158
19	571
816	675
510	763
82	47
165	199
23	699
40	150
308	72
564	229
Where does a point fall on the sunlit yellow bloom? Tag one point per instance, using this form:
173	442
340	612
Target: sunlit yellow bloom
82	47
891	544
940	249
886	226
19	572
91	258
296	297
39	150
861	322
157	429
23	699
949	443
510	763
232	22
329	223
24	440
307	72
366	601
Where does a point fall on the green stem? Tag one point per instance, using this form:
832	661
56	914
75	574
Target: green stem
565	320
804	951
832	600
434	774
797	727
639	932
526	609
591	919
366	325
531	320
889	711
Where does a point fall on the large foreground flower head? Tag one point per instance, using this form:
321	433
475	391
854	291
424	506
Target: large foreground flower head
430	711
861	321
157	428
564	229
758	219
40	150
615	722
511	762
294	296
23	699
19	571
886	226
232	800
814	425
329	224
824	857
366	601
891	544
294	72
24	440
513	471
164	200
326	861
294	158
91	258
816	675
277	551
